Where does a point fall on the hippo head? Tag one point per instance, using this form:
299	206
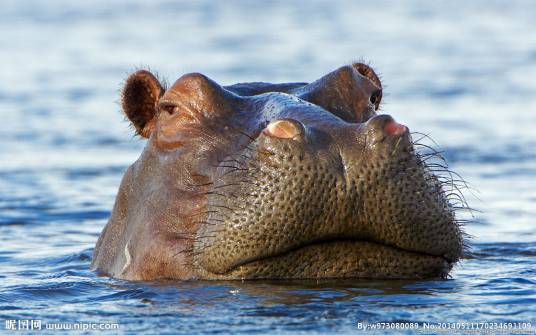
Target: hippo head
260	180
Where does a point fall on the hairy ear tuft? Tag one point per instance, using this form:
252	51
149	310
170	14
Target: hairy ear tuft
139	100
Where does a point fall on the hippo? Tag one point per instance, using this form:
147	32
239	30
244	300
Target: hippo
275	181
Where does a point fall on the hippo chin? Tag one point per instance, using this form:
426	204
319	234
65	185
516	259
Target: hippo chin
260	180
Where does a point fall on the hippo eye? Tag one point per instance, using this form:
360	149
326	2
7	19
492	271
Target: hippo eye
376	97
170	109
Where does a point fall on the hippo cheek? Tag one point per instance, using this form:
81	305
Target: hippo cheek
265	202
403	200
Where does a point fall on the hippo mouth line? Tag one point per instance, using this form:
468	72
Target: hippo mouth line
343	257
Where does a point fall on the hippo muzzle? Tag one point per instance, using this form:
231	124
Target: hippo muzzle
274	181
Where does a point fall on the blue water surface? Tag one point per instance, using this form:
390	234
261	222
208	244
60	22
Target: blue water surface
462	71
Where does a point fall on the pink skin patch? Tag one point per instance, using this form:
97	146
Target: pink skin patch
393	128
281	129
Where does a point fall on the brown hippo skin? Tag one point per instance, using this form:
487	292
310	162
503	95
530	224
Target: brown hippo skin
260	180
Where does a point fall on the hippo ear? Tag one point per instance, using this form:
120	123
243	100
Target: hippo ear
140	99
351	92
367	71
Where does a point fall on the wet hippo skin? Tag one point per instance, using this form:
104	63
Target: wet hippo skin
259	180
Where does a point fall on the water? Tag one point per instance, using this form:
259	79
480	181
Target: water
461	71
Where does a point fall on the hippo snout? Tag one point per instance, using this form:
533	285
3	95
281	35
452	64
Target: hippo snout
317	191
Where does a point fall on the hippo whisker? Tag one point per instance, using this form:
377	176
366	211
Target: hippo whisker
433	152
427	136
243	133
184	251
226	208
463	208
233	169
426	157
205	222
200	213
217	220
396	146
242	166
442	174
447	179
237	183
220	213
445	168
231	161
419	143
457	196
242	155
427	152
457	184
437	168
231	195
199	185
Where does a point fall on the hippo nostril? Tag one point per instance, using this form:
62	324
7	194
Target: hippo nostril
284	128
379	121
394	128
385	125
